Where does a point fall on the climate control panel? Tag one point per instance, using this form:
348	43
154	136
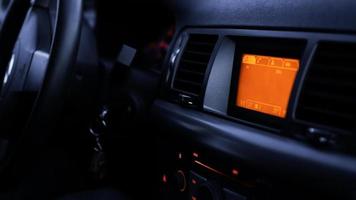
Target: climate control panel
190	175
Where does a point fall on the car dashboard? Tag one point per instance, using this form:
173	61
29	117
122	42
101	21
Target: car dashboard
259	106
178	99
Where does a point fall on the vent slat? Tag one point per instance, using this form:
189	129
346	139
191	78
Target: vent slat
328	113
197	43
332	91
202	49
183	70
198	53
188	82
329	94
197	58
190	77
331	69
195	69
184	60
193	63
335	56
333	82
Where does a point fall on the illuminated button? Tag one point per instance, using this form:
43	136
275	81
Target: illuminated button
235	172
195	155
196	179
180	156
164	178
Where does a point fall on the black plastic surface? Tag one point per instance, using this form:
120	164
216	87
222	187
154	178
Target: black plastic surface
326	15
265	151
313	21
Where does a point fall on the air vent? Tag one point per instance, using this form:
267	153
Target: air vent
329	94
193	64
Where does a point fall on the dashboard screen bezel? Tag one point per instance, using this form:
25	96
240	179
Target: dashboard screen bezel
275	47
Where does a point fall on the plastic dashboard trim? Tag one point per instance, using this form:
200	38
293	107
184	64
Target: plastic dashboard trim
315	15
256	147
312	39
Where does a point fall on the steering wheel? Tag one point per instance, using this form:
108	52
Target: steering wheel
38	45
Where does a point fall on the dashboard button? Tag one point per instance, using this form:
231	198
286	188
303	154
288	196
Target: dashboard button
181	181
196	180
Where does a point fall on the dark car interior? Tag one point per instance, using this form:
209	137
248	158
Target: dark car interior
178	99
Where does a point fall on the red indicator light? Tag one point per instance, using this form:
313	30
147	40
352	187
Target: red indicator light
194	198
195	155
164	178
235	172
194	182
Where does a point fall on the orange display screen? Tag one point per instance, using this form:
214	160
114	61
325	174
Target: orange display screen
265	83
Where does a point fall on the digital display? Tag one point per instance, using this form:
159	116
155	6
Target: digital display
265	83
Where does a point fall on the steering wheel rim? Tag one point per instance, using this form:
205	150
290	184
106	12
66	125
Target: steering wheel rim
54	60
